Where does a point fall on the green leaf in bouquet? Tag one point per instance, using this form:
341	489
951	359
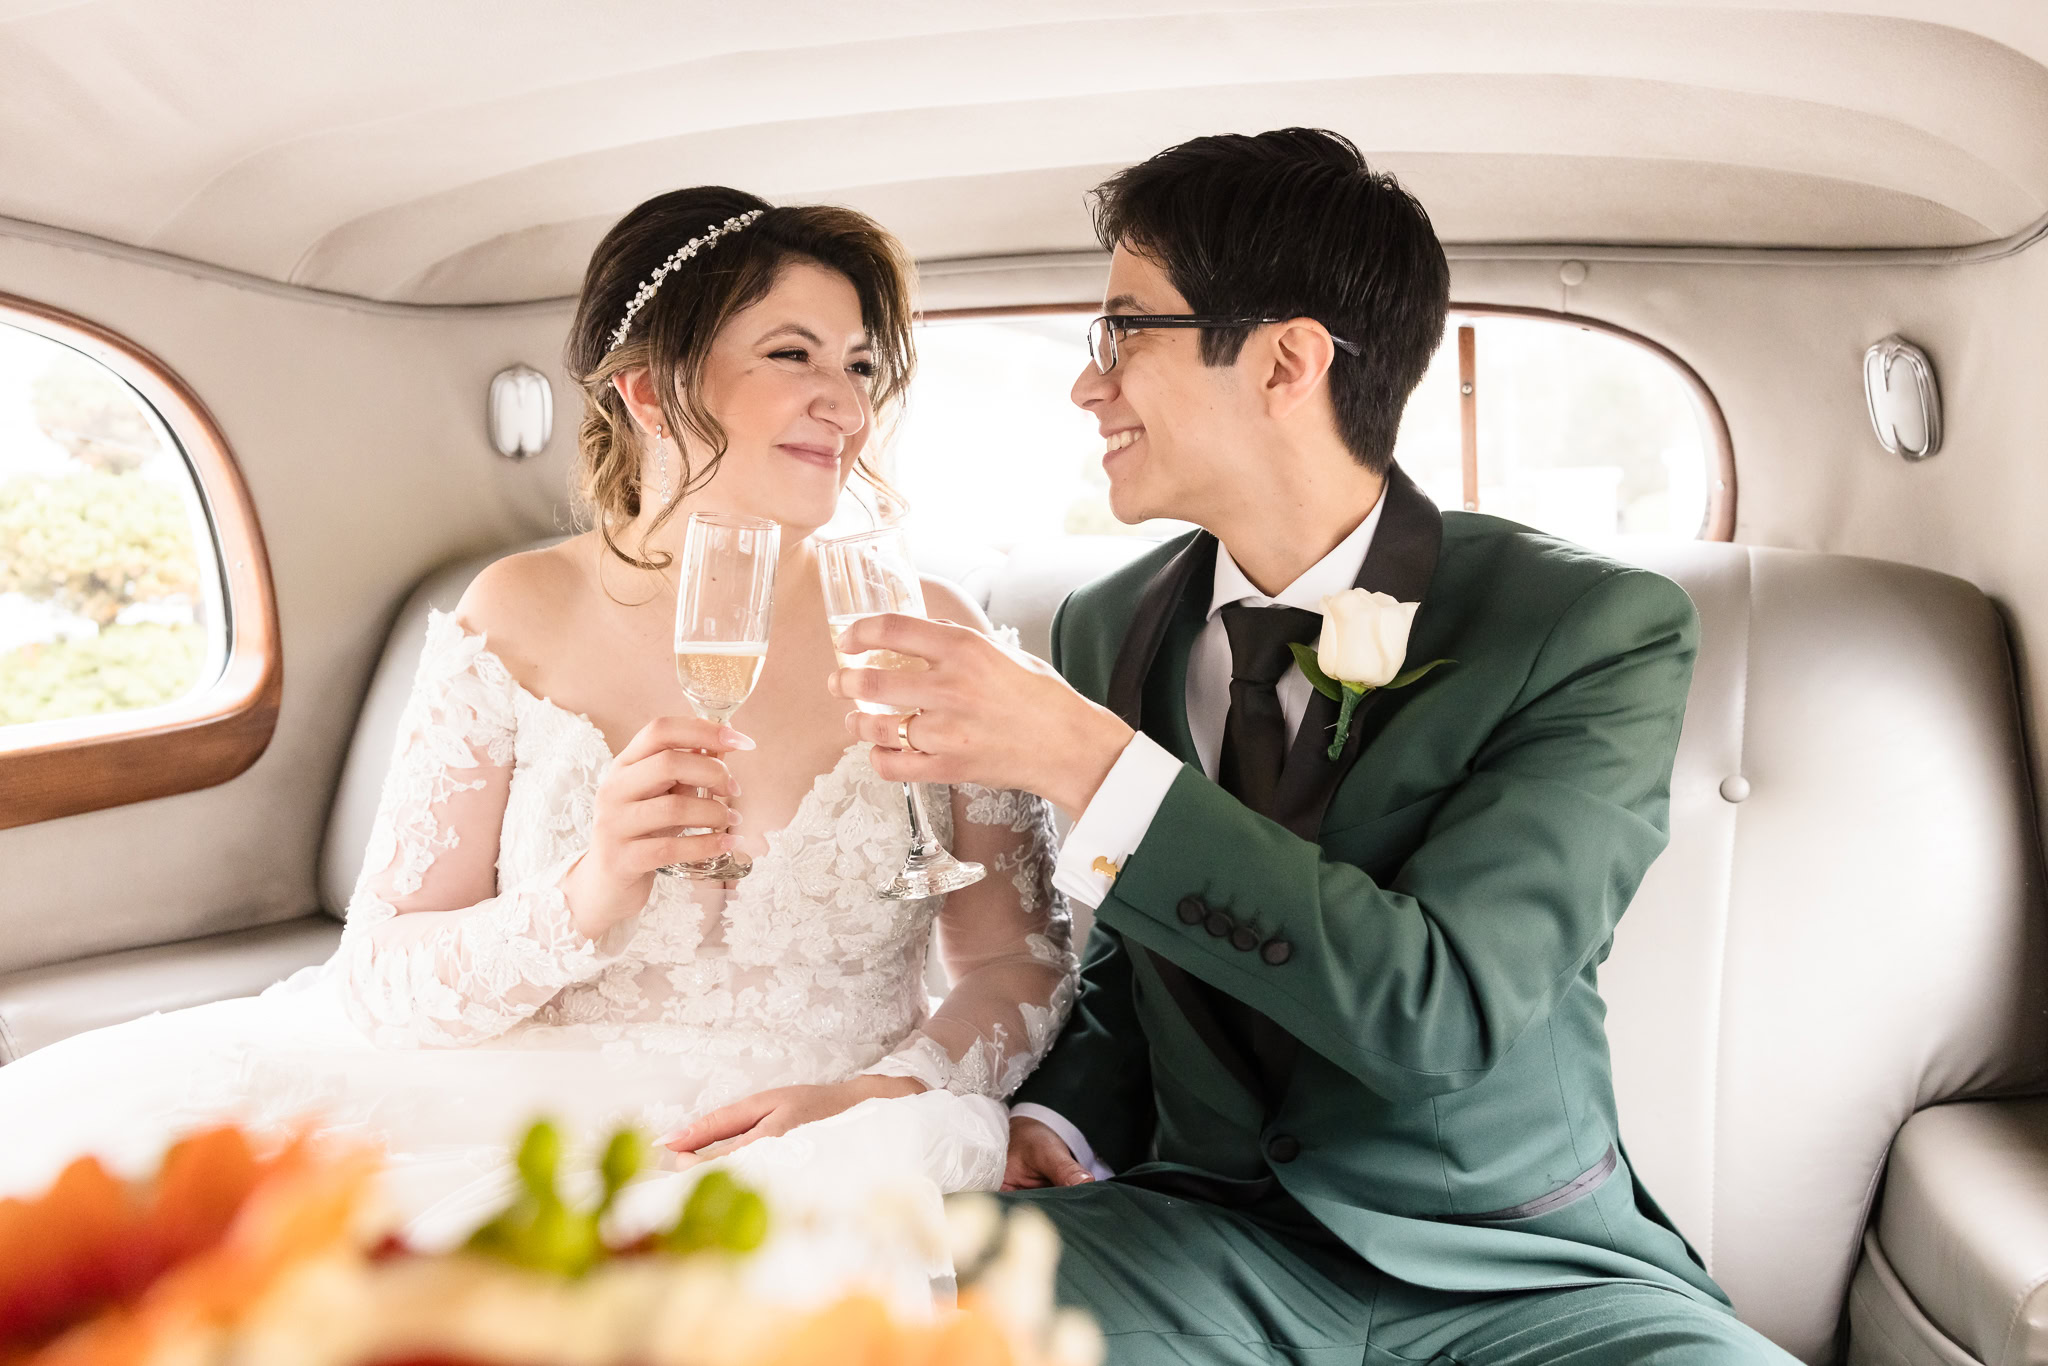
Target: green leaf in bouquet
539	1231
720	1213
561	1240
1312	670
622	1158
540	1158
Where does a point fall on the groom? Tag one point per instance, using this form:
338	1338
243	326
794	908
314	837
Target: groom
1336	1087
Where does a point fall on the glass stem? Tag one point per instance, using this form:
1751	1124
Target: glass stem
921	842
723	718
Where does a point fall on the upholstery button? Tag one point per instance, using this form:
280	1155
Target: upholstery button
1244	939
1192	910
1283	1147
1220	924
1277	951
1735	788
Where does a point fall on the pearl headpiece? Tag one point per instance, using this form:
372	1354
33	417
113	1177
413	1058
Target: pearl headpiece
682	254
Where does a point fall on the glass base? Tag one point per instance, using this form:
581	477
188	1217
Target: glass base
727	867
931	874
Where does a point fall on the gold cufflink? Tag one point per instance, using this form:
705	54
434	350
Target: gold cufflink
1104	867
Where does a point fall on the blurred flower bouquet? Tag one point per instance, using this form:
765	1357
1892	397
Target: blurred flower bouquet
236	1254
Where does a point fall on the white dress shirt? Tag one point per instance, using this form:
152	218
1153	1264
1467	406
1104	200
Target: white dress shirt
1116	821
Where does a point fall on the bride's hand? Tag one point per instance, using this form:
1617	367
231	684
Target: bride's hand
648	796
769	1113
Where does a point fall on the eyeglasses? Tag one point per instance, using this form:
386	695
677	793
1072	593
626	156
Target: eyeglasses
1104	331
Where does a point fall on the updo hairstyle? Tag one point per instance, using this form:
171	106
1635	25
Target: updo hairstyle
672	333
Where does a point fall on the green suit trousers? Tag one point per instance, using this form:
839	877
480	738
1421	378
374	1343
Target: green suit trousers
1177	1281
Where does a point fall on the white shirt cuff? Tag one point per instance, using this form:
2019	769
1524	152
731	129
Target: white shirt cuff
1112	827
1077	1145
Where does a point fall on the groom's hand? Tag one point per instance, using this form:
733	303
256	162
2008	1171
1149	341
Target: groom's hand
767	1114
1039	1157
983	714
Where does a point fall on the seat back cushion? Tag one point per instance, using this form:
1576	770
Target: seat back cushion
369	750
1846	925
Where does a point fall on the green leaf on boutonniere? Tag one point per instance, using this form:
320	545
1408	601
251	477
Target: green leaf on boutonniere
1305	657
1354	693
1402	680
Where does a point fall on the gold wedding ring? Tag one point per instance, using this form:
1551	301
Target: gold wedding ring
903	734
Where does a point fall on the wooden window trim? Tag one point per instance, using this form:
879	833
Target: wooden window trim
1719	524
59	768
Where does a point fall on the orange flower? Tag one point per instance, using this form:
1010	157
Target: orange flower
860	1331
95	1271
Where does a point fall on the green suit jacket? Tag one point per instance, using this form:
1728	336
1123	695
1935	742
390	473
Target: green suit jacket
1416	932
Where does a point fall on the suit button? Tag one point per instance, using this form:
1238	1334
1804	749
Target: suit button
1192	910
1283	1148
1277	951
1220	924
1244	939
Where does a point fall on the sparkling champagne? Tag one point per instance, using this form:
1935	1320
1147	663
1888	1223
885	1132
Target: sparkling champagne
871	659
720	677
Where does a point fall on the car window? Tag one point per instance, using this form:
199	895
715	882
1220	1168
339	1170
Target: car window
110	590
1577	431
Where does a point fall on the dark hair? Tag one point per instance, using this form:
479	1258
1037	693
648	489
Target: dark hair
672	332
1292	224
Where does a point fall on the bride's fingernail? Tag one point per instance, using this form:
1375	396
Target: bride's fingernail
732	739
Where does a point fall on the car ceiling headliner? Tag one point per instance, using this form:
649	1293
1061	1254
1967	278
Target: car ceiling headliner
460	152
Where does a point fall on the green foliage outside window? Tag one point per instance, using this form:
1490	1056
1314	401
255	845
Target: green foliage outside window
121	669
94	542
92	537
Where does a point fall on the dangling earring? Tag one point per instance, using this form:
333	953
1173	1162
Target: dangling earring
667	492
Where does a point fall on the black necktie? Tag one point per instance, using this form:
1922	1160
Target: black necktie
1255	731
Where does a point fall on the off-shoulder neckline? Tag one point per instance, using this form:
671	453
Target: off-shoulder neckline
591	727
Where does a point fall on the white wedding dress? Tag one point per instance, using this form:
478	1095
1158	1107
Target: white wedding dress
462	1003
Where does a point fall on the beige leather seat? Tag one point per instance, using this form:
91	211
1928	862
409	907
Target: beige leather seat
1845	934
39	1006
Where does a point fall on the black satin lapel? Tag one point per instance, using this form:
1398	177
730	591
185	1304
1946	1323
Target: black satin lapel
1171	599
1165	700
1155	612
1401	562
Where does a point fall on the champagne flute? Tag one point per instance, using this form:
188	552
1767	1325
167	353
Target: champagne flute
724	603
864	576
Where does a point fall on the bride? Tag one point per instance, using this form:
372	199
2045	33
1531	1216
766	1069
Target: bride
510	948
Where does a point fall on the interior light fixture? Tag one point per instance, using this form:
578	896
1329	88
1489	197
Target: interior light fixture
1905	402
521	412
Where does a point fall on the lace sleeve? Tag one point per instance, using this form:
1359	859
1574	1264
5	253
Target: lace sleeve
435	953
1007	943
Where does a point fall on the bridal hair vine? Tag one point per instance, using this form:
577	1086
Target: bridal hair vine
683	253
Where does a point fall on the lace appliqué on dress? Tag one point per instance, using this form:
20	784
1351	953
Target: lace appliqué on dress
458	935
1011	937
486	966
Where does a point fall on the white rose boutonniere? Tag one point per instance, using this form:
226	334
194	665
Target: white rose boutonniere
1363	645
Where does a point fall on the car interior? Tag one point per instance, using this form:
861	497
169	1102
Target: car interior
1744	291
